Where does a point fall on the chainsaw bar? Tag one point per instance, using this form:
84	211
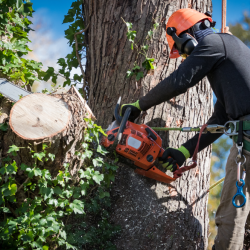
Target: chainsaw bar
12	91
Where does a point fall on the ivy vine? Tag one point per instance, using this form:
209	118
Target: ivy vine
41	221
140	50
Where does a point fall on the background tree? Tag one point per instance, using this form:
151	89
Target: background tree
152	215
242	29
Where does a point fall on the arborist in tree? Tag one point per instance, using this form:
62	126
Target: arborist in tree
223	58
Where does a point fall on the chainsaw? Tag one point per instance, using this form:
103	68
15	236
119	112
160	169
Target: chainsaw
137	145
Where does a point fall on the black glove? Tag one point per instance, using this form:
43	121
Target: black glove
172	156
135	110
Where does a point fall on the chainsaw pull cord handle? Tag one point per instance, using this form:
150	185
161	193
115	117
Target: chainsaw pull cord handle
178	173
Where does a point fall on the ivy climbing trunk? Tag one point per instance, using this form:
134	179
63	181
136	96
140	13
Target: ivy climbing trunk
152	215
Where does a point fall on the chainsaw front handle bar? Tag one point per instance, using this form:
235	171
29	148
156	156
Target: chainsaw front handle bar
122	125
116	112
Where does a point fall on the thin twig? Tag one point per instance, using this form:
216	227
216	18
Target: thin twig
77	54
23	184
11	209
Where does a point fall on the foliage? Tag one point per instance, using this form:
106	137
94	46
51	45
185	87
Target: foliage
14	27
76	18
37	222
242	29
140	50
40	220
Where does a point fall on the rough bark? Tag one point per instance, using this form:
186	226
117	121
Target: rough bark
152	215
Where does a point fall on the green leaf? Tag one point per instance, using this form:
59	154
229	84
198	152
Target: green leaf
63	234
10	190
13	149
132	46
68	19
43	222
47	192
11	169
77	206
104	194
4	127
57	190
156	25
109	166
150	33
101	150
97	177
87	154
2	170
6	210
51	156
45	247
130	73
46	174
136	67
131	35
97	162
37	172
139	76
145	47
23	167
129	25
53	202
147	64
39	156
30	172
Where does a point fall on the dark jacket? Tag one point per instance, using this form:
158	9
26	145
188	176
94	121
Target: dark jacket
225	60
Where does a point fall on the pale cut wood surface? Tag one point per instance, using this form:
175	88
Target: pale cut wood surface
39	116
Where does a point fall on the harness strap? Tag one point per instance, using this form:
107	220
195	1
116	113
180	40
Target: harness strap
178	173
246	125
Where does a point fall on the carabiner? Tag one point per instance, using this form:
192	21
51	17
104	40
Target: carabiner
227	125
239	193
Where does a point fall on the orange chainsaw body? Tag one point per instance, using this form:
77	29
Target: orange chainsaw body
142	145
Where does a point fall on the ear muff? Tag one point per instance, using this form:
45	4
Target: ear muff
185	43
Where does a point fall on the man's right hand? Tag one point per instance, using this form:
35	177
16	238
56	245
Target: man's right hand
135	110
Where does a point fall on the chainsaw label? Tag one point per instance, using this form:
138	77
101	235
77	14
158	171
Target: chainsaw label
132	142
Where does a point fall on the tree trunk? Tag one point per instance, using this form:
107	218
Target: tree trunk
152	215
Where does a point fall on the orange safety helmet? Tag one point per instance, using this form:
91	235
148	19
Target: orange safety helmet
182	20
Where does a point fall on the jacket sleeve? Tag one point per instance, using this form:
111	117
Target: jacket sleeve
219	117
205	56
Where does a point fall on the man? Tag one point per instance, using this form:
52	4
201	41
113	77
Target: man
224	59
